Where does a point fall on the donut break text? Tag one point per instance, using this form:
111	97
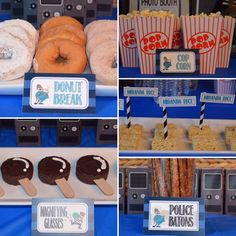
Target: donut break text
67	93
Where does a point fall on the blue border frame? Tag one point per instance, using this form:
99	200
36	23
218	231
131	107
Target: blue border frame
92	94
201	231
197	62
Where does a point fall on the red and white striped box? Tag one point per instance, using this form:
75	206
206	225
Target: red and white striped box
177	41
226	39
128	43
203	33
225	86
152	32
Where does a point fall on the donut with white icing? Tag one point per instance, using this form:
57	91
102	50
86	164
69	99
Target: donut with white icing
53	168
90	168
15	169
103	63
19	60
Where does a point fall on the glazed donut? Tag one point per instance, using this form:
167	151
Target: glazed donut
99	27
100	38
21	34
57	30
62	34
24	24
101	63
20	60
60	20
60	56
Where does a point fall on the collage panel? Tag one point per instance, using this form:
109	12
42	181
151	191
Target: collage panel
177	196
47	165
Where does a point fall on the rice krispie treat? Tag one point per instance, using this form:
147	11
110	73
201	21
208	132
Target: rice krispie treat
129	142
194	132
205	144
134	129
161	144
233	143
230	133
173	130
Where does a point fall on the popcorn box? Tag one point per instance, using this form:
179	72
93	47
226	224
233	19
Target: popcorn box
177	41
128	44
225	86
152	33
226	39
203	33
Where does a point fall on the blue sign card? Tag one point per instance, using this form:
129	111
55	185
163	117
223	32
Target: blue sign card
64	217
62	93
177	61
174	216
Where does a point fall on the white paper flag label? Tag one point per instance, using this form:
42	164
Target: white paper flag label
59	93
173	215
177	101
177	62
140	92
121	104
62	217
217	98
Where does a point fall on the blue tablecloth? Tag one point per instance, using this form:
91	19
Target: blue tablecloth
17	221
216	225
220	73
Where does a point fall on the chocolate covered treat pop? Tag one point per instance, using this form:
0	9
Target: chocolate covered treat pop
55	171
93	169
19	171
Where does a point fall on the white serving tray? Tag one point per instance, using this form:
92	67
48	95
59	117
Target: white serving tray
218	127
15	195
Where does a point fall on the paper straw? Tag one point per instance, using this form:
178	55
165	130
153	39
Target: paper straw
165	122
128	111
203	106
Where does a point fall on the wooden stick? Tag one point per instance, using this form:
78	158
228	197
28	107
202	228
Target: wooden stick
65	188
174	177
104	186
28	186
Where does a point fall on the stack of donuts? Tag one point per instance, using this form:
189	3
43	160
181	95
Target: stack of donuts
61	47
18	40
101	50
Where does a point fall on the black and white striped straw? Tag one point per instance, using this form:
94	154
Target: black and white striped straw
203	106
128	111
165	122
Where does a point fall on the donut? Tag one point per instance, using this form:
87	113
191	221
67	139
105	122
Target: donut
15	169
90	168
21	34
60	20
100	38
88	26
62	34
101	63
60	56
53	168
99	27
58	29
24	24
20	61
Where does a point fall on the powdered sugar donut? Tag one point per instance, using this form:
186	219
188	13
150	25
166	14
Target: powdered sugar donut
86	29
103	63
20	33
100	38
18	60
101	26
26	25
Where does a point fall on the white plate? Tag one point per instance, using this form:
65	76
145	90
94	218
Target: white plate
15	195
15	87
217	126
